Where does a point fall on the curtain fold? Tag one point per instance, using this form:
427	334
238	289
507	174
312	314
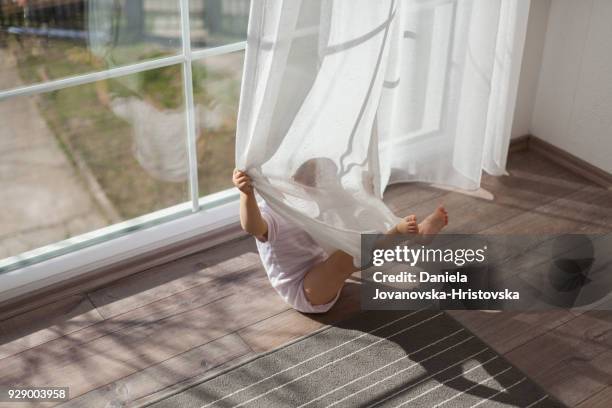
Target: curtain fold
341	98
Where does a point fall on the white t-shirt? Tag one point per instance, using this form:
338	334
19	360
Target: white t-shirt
287	255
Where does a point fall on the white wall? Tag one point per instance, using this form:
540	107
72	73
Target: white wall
573	101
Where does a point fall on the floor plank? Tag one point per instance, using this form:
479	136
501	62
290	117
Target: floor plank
277	330
589	206
600	399
166	280
87	366
248	280
190	365
402	196
573	361
47	323
532	181
507	330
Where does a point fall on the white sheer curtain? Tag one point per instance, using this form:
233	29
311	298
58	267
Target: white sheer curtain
341	98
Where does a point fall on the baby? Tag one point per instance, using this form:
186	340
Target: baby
304	275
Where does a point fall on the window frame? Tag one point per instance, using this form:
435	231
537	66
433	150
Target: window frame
200	215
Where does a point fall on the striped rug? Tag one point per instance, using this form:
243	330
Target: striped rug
377	359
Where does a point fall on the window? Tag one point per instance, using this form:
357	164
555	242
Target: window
117	115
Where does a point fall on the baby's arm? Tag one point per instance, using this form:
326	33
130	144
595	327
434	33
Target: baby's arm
250	216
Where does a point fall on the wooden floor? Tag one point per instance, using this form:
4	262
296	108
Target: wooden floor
171	325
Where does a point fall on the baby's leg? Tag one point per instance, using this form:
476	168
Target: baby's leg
324	280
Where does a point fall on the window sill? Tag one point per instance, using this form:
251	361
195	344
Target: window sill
133	246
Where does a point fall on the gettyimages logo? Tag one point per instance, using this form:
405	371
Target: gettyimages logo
412	256
533	272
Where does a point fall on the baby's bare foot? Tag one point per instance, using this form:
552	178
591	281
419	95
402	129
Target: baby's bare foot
434	222
408	225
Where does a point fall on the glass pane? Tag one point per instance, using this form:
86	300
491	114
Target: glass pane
43	40
216	93
88	156
218	22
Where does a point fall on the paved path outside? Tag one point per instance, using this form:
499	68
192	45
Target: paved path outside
42	197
